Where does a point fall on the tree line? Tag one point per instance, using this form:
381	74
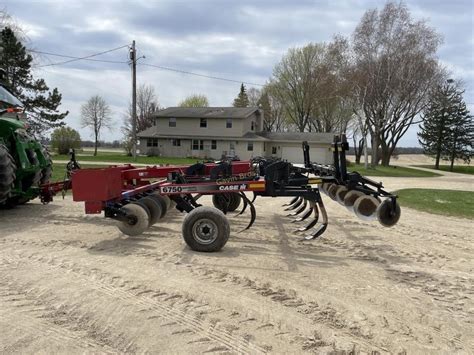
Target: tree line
373	84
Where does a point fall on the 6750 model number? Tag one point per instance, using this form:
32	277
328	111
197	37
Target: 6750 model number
171	189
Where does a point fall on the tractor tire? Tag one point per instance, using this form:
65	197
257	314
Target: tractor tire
154	207
137	221
206	229
7	174
46	172
26	183
162	201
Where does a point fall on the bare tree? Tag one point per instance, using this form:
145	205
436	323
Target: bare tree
357	130
96	114
295	81
395	66
195	101
274	119
310	84
254	96
147	105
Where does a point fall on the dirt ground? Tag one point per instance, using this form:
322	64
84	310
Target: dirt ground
72	283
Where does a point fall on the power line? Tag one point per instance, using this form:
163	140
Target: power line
88	58
201	75
74	59
70	56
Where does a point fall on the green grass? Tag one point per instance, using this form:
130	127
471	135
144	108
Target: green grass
122	158
393	171
59	170
461	169
443	202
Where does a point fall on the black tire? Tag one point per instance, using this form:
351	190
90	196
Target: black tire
154	207
206	229
32	180
138	219
235	200
227	202
47	171
162	201
7	174
167	200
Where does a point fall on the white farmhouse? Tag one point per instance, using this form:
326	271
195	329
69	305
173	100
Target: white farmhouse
214	132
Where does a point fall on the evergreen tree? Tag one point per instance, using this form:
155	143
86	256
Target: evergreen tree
460	137
41	104
242	100
436	121
447	131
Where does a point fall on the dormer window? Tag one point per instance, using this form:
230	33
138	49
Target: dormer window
203	123
252	126
172	122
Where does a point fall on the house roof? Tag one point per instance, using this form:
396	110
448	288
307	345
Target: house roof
207	112
298	137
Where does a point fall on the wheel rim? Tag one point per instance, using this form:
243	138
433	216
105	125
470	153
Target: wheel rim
205	231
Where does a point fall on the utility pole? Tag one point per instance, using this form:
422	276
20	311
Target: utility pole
133	58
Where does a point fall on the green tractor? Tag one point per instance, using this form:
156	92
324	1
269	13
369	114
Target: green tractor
25	164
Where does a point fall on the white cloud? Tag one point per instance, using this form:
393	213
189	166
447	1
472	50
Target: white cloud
239	40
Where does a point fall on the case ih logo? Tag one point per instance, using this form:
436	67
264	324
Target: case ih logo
233	187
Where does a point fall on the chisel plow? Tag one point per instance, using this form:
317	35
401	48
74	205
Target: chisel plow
139	197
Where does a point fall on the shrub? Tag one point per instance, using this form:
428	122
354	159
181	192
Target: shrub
65	138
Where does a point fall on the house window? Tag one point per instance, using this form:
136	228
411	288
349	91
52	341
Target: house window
152	142
252	126
274	150
213	145
176	142
197	144
250	146
228	123
172	122
232	146
203	123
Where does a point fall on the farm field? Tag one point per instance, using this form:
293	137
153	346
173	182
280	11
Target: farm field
72	283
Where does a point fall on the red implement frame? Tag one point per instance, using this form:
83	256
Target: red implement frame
99	187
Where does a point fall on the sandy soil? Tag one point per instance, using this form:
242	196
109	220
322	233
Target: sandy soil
71	283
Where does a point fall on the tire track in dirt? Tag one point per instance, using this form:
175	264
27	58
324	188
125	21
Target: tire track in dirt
158	302
308	343
32	312
449	290
316	313
446	286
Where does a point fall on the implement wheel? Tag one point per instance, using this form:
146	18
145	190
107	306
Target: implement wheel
136	221
154	207
206	229
228	202
162	201
386	215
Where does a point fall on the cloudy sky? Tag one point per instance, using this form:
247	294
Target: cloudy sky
240	40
